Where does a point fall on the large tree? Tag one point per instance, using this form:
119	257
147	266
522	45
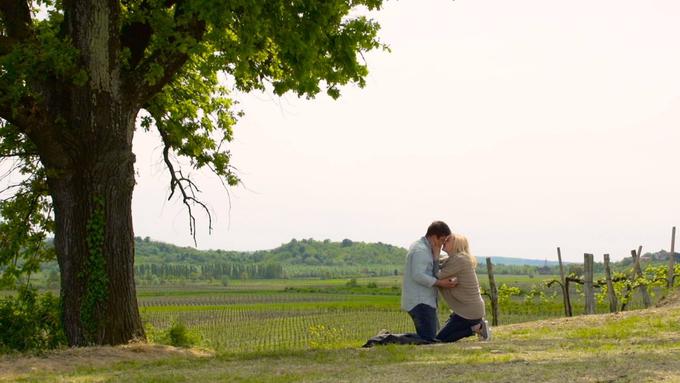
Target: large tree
78	77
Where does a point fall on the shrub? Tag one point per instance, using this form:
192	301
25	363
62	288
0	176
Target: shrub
30	321
177	335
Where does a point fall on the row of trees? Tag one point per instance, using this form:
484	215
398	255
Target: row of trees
209	271
659	257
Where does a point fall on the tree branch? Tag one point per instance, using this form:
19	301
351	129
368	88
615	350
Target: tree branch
26	221
18	27
6	111
28	118
136	36
6	45
20	154
186	187
170	60
17	17
579	280
26	114
553	282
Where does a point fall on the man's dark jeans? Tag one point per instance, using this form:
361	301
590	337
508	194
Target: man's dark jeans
426	322
456	328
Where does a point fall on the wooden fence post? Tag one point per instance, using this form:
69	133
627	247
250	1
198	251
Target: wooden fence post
493	292
588	283
671	261
565	287
638	273
613	303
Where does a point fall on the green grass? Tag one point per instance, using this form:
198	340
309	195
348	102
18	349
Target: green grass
286	315
639	346
522	281
312	333
280	284
283	321
268	284
266	320
267	315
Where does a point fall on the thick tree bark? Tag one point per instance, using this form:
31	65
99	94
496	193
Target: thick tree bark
94	240
83	134
91	179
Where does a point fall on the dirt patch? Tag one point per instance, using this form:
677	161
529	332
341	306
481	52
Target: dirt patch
14	366
672	299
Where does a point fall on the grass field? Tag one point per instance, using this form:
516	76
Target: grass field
279	284
301	314
294	315
636	346
311	330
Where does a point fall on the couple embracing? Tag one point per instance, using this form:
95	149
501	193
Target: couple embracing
427	273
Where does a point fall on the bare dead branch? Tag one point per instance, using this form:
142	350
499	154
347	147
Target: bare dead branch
17	163
186	187
13	186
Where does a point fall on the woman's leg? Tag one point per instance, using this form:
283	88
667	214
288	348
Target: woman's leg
457	328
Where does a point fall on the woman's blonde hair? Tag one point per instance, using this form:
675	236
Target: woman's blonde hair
462	246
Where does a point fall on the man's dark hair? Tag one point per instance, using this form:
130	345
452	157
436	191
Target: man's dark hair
439	229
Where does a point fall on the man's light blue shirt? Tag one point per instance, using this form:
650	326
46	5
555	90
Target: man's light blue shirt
418	283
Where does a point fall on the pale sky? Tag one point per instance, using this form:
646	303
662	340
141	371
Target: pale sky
525	125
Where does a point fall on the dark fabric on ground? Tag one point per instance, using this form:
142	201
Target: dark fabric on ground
387	338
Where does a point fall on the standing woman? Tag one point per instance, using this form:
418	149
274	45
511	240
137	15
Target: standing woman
465	299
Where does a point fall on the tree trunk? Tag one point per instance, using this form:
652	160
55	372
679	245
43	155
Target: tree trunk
86	148
94	241
94	237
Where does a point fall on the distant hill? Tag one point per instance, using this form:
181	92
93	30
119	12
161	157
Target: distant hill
308	252
518	261
295	259
156	261
660	256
